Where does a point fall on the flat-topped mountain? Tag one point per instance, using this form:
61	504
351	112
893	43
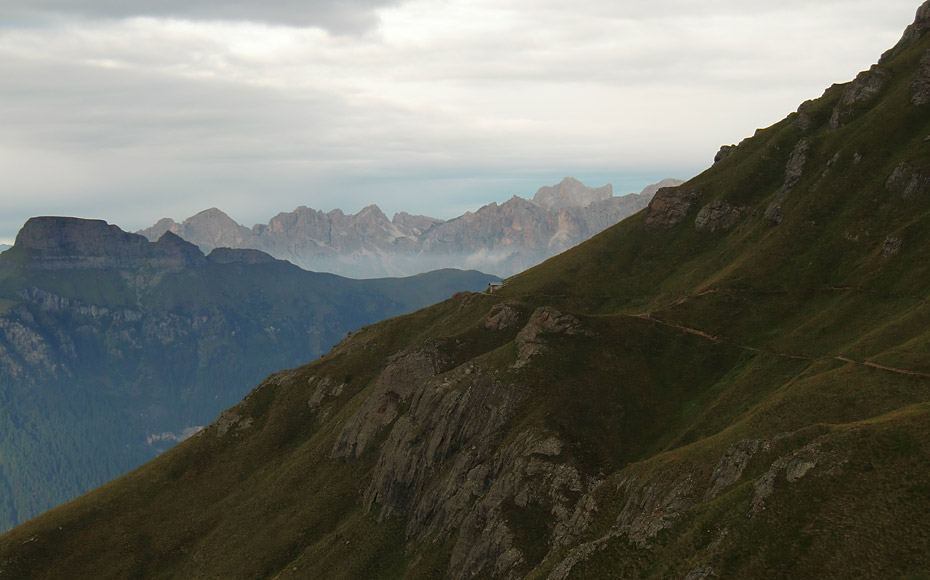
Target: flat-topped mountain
67	242
113	348
500	238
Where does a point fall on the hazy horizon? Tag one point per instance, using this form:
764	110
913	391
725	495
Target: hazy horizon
130	112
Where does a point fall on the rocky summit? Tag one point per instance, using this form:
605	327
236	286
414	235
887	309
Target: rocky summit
733	383
499	238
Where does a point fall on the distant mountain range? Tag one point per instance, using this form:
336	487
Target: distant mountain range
501	239
114	348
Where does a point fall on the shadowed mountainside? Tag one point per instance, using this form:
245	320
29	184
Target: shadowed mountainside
113	348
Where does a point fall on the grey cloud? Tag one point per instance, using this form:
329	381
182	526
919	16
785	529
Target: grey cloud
132	121
341	16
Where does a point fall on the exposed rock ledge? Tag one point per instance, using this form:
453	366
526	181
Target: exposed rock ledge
545	320
669	207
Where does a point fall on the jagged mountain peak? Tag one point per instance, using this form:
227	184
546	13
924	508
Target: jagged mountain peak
501	238
210	213
571	193
372	210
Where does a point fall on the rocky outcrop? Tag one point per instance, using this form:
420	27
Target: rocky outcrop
717	216
657	501
66	242
724	152
323	388
730	467
805	120
499	238
866	86
920	90
908	182
669	207
793	466
650	190
501	316
891	247
442	463
229	421
404	374
913	32
794	170
545	320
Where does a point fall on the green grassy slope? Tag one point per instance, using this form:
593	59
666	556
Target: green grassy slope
747	402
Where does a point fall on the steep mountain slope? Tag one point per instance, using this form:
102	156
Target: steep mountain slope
733	383
502	239
112	348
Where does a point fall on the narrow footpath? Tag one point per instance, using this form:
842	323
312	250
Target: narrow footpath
705	335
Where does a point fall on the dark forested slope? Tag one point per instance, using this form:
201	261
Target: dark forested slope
112	348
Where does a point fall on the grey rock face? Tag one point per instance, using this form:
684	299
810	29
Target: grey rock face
571	193
545	320
908	182
701	573
414	225
891	247
717	216
501	317
208	229
805	121
920	25
920	90
794	169
669	207
441	461
794	466
866	86
724	152
405	373
731	466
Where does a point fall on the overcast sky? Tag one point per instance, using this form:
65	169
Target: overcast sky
132	110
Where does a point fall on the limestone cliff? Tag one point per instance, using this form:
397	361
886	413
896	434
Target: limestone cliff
498	238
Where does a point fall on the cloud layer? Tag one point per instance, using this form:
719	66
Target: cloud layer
117	110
